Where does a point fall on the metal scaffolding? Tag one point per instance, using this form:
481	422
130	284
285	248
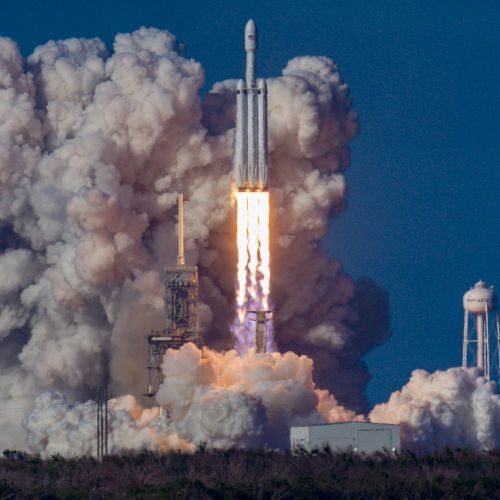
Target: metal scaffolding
181	312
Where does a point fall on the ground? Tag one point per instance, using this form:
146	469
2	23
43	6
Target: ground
255	474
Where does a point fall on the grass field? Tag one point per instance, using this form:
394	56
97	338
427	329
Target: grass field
239	474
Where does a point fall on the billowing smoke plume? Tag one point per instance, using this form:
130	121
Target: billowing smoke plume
56	426
452	408
94	147
219	399
228	400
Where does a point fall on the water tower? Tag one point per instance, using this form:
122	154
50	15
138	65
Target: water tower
482	330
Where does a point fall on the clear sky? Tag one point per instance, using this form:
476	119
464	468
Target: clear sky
424	216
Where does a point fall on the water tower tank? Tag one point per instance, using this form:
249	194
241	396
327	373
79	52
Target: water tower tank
477	299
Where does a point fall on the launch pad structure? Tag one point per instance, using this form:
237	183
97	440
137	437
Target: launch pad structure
181	311
261	318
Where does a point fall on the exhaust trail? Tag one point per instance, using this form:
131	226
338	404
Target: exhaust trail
254	271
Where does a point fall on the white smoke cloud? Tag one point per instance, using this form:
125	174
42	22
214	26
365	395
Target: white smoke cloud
94	147
226	400
452	408
18	269
217	399
55	426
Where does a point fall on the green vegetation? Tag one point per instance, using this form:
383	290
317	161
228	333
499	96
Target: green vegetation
254	474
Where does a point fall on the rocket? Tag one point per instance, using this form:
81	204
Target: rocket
250	152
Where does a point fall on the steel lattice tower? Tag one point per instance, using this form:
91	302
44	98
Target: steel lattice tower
181	311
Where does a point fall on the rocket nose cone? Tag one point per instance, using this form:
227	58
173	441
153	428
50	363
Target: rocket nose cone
250	27
240	85
250	36
262	85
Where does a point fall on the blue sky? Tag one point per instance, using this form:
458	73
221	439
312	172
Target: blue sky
424	210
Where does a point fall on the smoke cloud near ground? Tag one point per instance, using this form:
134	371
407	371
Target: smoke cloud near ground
456	408
56	426
212	398
227	400
95	144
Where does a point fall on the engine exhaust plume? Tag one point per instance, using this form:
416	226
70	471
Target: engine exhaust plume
254	267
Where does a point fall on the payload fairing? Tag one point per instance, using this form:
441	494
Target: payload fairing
250	152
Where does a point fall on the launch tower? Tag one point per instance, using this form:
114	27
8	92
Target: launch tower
181	311
481	346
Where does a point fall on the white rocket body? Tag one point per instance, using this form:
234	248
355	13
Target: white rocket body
250	152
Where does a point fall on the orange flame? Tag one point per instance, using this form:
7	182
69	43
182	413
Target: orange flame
254	271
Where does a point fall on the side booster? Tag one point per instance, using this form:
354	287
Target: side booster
250	153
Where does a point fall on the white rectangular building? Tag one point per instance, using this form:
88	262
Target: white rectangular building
362	437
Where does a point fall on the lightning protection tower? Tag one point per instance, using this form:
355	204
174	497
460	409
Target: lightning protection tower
482	331
181	311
